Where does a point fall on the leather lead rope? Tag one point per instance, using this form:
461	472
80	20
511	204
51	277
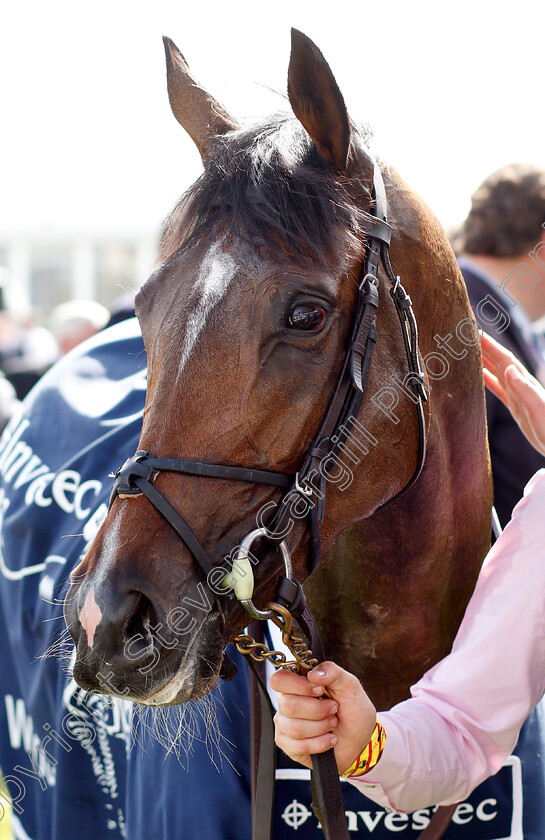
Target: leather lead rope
263	747
439	823
327	796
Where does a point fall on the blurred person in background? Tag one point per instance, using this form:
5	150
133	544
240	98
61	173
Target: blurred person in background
8	401
502	259
121	309
75	321
27	349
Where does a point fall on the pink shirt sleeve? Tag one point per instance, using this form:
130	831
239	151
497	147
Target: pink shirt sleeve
465	713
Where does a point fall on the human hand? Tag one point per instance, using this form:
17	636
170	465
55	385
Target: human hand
307	723
509	380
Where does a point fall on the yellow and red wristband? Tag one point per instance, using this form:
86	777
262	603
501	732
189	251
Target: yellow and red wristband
369	755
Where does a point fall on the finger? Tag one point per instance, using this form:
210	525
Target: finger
335	679
287	682
495	386
506	394
494	350
307	708
303	729
497	359
525	386
498	369
302	750
300	758
529	398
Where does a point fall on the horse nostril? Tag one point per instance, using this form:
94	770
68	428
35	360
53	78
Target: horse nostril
141	625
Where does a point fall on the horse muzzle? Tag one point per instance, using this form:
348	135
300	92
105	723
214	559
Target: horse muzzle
128	645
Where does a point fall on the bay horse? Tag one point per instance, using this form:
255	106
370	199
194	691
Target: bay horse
246	322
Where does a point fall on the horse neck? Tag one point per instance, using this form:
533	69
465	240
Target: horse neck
390	594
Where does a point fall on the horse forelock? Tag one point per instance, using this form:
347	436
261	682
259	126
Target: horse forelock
268	186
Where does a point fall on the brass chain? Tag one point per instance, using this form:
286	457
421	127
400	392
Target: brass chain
303	660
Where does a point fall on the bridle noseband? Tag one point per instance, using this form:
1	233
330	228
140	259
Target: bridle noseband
138	473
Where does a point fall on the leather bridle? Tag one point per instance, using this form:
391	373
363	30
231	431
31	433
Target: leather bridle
138	473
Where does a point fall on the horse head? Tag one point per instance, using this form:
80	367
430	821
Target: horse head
246	322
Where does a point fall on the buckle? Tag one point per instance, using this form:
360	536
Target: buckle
400	296
305	491
133	467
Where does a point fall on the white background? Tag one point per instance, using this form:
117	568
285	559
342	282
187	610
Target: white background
453	90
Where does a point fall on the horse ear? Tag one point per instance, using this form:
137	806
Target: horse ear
199	113
317	101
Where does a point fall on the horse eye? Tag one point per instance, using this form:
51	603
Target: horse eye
307	316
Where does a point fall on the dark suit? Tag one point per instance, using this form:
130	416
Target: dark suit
514	460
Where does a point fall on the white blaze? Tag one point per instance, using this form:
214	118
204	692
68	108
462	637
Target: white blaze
217	271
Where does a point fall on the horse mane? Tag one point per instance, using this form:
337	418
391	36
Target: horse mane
267	185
